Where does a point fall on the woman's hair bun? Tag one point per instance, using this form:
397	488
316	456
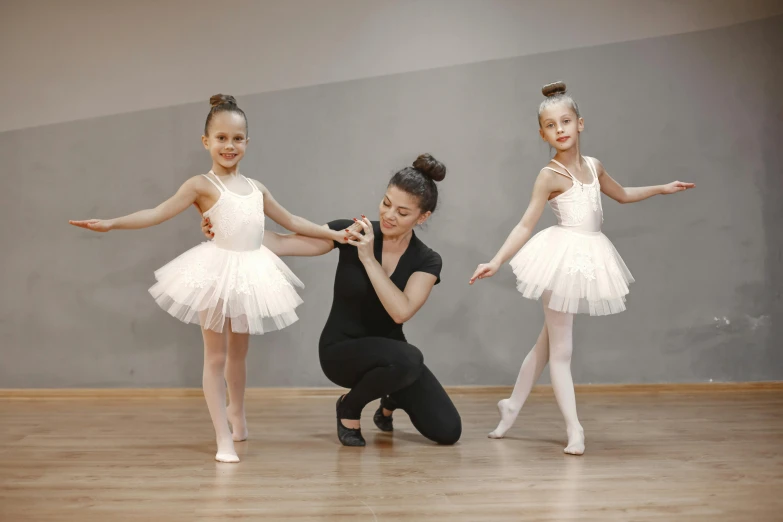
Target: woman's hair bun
553	89
222	99
430	167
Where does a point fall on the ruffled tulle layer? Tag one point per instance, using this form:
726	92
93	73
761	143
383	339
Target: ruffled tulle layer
208	285
582	270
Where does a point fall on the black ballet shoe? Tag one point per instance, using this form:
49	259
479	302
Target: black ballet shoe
383	422
348	436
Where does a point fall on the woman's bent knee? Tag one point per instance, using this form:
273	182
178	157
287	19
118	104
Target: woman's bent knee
450	432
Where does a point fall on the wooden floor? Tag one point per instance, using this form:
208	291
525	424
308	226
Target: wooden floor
698	456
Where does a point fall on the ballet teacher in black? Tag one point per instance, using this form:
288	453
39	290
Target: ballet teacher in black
384	276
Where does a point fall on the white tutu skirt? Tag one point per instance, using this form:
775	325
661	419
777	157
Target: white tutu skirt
207	285
582	270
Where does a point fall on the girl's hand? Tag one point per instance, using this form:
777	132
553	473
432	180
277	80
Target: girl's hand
206	227
98	225
364	243
677	186
483	271
341	236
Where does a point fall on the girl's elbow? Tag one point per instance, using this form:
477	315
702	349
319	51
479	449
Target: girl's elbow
526	225
157	216
621	198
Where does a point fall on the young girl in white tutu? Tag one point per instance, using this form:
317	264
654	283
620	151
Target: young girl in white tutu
572	266
232	286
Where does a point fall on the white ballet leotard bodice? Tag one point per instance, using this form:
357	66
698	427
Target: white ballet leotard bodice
237	220
579	208
232	280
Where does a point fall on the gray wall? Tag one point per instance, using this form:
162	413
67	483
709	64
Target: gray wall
60	72
703	107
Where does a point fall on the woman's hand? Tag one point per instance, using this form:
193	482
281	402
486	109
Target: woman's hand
364	243
341	236
484	270
97	225
676	186
206	227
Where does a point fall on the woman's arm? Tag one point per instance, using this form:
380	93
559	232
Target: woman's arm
185	196
542	188
400	306
623	195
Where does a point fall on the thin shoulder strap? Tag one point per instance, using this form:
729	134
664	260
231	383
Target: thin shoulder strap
590	164
253	186
219	181
213	182
558	172
569	176
562	167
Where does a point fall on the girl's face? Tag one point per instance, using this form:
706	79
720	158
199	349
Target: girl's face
560	127
399	212
227	139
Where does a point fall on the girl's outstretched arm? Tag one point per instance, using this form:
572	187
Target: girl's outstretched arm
176	204
288	244
543	187
621	194
296	224
297	245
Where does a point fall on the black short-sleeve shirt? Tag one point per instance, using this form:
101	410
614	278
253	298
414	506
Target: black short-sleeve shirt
356	309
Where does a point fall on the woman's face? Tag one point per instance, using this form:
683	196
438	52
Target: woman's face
399	212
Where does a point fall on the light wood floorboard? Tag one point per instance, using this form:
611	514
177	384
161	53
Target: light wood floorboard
708	456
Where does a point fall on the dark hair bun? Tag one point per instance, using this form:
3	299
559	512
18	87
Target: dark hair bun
430	167
222	99
553	89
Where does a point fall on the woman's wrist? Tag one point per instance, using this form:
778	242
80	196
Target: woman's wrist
367	260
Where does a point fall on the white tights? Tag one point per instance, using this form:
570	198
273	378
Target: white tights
555	346
225	355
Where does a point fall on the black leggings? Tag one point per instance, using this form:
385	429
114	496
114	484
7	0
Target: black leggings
378	367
